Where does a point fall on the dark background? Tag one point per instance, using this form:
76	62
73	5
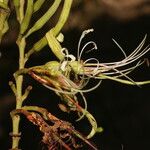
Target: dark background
123	111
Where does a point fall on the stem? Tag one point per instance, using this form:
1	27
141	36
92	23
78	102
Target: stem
19	6
19	80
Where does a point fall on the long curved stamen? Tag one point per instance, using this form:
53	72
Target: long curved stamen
81	38
84	48
126	77
129	59
60	91
90	89
111	72
133	56
120	48
138	48
122	73
94	71
125	71
124	62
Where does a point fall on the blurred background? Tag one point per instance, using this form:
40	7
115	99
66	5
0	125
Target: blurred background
123	111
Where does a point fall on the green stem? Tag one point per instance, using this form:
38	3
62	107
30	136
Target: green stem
19	80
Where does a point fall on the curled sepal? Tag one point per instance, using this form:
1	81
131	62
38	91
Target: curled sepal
93	124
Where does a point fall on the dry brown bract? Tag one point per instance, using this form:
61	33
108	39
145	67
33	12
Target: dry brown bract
59	135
